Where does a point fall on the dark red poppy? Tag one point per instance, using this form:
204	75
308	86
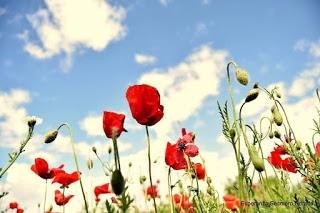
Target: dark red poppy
144	102
103	189
13	205
231	202
20	210
288	164
113	121
182	203
318	149
60	199
41	168
200	170
174	155
66	179
155	191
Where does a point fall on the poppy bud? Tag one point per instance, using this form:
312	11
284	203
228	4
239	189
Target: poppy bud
90	164
117	182
106	173
278	94
256	160
109	149
94	149
242	76
277	118
277	134
271	135
142	179
273	108
50	208
130	164
51	136
256	85
253	94
209	180
232	133
31	122
298	144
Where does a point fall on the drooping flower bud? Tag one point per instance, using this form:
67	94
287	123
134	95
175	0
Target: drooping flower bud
90	164
130	164
271	135
277	134
94	149
277	118
242	76
257	161
273	108
232	133
298	144
142	179
253	94
51	136
117	182
256	85
278	94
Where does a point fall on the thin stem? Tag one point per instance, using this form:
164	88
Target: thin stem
150	175
17	154
63	199
45	197
76	162
170	188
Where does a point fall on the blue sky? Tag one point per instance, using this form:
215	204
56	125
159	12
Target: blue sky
80	78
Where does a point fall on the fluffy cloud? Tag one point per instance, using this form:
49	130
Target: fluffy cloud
165	2
144	59
66	25
184	87
313	47
2	11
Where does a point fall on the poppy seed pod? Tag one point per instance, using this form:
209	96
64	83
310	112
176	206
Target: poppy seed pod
31	122
253	94
242	76
277	118
117	182
51	136
256	160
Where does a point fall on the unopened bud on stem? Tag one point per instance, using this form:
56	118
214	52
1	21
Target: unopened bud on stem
242	76
51	136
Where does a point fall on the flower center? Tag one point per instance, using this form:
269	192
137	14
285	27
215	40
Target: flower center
182	146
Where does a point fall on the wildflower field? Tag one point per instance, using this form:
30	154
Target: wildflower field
159	106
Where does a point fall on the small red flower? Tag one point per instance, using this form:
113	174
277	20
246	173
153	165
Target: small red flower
200	170
60	199
113	121
144	102
231	202
182	203
13	205
20	211
288	164
318	149
41	168
174	155
66	179
155	191
103	189
254	186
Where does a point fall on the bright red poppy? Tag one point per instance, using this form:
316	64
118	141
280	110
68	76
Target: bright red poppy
155	191
175	154
288	164
182	203
13	205
113	121
66	179
41	168
103	189
200	170
231	202
144	102
60	199
318	149
20	210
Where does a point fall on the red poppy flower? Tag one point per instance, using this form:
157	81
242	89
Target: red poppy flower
13	205
174	155
60	199
182	203
200	170
41	168
20	210
144	102
254	186
231	202
66	179
288	164
113	121
318	149
155	191
103	189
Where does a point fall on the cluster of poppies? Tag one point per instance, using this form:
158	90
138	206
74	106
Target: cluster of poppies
182	203
155	190
287	164
15	205
176	155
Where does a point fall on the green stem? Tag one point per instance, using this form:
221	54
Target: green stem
170	189
45	197
63	199
15	157
76	162
150	175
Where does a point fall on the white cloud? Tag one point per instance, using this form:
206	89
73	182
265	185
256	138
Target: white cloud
184	87
66	25
306	81
144	59
315	49
165	2
312	47
24	36
2	11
